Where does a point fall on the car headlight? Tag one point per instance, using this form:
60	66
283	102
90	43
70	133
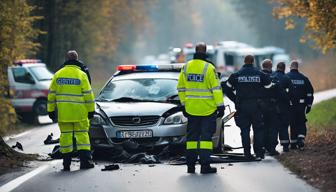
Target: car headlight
176	118
97	120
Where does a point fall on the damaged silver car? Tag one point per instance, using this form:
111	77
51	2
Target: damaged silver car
140	103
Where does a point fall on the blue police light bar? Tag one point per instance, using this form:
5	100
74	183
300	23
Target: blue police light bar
147	68
150	68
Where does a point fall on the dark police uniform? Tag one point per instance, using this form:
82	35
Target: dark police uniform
270	109
284	105
248	83
300	105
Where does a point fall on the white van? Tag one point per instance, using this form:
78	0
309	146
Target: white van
29	81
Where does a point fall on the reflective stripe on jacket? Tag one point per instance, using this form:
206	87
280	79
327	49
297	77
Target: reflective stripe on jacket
199	89
71	93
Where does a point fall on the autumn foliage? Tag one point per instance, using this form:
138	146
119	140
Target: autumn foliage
16	42
320	17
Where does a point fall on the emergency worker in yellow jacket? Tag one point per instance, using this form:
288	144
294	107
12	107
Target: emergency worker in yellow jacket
201	95
71	94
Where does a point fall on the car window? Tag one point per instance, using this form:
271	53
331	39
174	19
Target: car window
41	73
21	75
140	89
229	59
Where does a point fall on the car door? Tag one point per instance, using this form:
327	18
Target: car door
23	86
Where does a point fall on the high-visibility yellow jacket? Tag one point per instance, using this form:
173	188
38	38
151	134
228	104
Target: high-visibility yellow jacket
71	93
199	89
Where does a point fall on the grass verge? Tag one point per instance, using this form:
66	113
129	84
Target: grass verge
317	163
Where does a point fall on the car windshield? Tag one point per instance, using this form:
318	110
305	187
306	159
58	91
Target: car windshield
139	90
41	73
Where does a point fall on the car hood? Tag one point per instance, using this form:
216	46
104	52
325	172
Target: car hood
135	108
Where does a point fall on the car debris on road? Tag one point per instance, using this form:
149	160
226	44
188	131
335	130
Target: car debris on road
18	145
111	167
49	140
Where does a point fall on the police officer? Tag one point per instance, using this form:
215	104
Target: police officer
283	104
71	60
269	107
202	98
249	83
70	92
303	96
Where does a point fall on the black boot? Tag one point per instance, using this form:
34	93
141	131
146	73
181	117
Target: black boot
191	169
85	159
293	146
285	148
66	161
300	144
273	152
205	169
249	157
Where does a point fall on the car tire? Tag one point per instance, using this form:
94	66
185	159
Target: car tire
220	148
40	107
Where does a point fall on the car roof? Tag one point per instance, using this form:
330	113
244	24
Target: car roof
147	75
30	65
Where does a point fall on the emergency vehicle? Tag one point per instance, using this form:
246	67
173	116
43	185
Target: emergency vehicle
29	81
140	102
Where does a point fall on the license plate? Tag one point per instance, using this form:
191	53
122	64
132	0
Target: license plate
135	134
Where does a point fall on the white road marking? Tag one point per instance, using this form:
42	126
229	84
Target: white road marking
18	181
17	136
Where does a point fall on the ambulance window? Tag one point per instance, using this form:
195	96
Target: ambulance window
229	59
21	75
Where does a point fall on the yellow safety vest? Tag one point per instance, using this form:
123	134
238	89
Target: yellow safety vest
70	91
199	89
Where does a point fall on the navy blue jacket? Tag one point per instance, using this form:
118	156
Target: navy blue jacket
303	91
248	83
286	84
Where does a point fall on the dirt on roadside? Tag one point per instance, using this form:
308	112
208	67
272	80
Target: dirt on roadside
11	160
317	163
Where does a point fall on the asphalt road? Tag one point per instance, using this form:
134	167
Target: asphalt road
267	175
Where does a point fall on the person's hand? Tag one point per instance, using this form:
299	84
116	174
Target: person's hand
220	111
52	115
90	115
308	108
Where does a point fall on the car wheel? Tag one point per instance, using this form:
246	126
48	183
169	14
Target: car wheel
220	148
40	107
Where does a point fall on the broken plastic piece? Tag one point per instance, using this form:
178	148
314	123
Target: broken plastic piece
18	145
111	167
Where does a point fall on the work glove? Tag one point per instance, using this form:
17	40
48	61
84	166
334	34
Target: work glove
308	109
90	115
52	115
220	111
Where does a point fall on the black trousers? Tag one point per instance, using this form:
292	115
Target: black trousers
199	138
283	125
249	113
271	122
298	129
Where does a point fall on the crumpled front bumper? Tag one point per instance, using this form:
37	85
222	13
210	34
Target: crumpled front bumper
103	136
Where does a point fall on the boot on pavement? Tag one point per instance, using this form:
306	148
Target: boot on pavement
205	169
66	161
85	159
285	148
86	165
191	169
